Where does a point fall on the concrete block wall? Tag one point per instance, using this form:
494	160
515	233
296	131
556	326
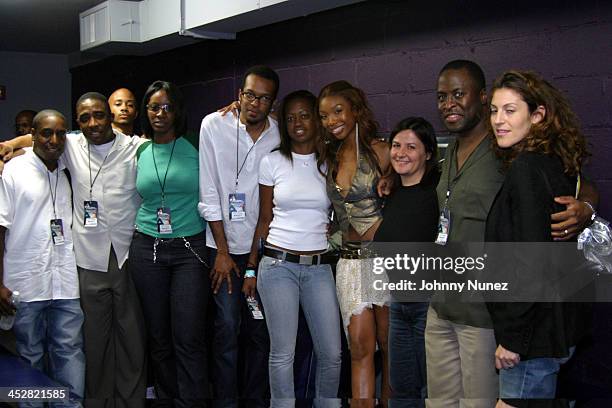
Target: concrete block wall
394	50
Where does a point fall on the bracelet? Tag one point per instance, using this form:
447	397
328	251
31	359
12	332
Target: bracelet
249	273
594	215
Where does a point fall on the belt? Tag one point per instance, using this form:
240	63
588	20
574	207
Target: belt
200	235
357	253
318	259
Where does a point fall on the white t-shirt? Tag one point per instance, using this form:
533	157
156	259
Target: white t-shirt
300	201
103	149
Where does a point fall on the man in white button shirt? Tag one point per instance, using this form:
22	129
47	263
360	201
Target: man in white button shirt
102	163
230	151
103	167
38	258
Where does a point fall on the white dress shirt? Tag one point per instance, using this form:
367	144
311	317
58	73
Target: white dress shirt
33	265
218	136
115	192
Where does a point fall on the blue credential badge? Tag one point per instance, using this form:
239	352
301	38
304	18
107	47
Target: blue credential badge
237	203
164	221
57	231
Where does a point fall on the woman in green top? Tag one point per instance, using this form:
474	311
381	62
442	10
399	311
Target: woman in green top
168	249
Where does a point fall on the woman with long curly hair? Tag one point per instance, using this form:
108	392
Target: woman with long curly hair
356	159
543	150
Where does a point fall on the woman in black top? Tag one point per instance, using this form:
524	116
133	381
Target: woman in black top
542	148
410	215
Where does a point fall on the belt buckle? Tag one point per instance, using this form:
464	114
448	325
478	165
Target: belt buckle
305	260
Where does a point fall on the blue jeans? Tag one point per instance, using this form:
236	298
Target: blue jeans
534	378
407	368
54	326
284	286
231	318
174	293
305	363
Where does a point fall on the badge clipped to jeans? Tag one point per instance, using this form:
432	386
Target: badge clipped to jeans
164	221
254	308
237	203
90	213
57	231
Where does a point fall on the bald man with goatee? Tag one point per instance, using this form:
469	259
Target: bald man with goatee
123	104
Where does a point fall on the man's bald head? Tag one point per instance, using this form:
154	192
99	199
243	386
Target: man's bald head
123	107
23	122
122	93
43	114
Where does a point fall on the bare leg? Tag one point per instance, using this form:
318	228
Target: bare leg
362	340
382	337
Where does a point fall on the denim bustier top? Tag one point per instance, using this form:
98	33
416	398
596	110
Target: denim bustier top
361	208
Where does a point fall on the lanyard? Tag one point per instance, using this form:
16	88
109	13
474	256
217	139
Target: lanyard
92	182
239	170
448	180
162	185
52	192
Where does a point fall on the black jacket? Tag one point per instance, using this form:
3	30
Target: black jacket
521	213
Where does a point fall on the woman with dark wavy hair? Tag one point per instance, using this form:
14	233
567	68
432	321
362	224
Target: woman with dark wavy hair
410	215
356	159
543	150
168	249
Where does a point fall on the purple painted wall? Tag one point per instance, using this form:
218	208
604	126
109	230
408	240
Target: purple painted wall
393	50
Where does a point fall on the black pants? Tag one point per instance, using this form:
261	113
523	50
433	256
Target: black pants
174	293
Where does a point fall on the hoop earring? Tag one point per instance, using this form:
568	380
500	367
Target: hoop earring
357	139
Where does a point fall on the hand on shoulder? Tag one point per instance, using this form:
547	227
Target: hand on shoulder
381	148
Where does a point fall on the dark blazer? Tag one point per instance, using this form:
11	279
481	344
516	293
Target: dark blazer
521	213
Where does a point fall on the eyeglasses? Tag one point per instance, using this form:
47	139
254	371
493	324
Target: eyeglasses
251	97
155	108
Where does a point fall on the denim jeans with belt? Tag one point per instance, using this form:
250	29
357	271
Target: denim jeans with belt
234	327
407	368
174	291
284	286
55	327
533	378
